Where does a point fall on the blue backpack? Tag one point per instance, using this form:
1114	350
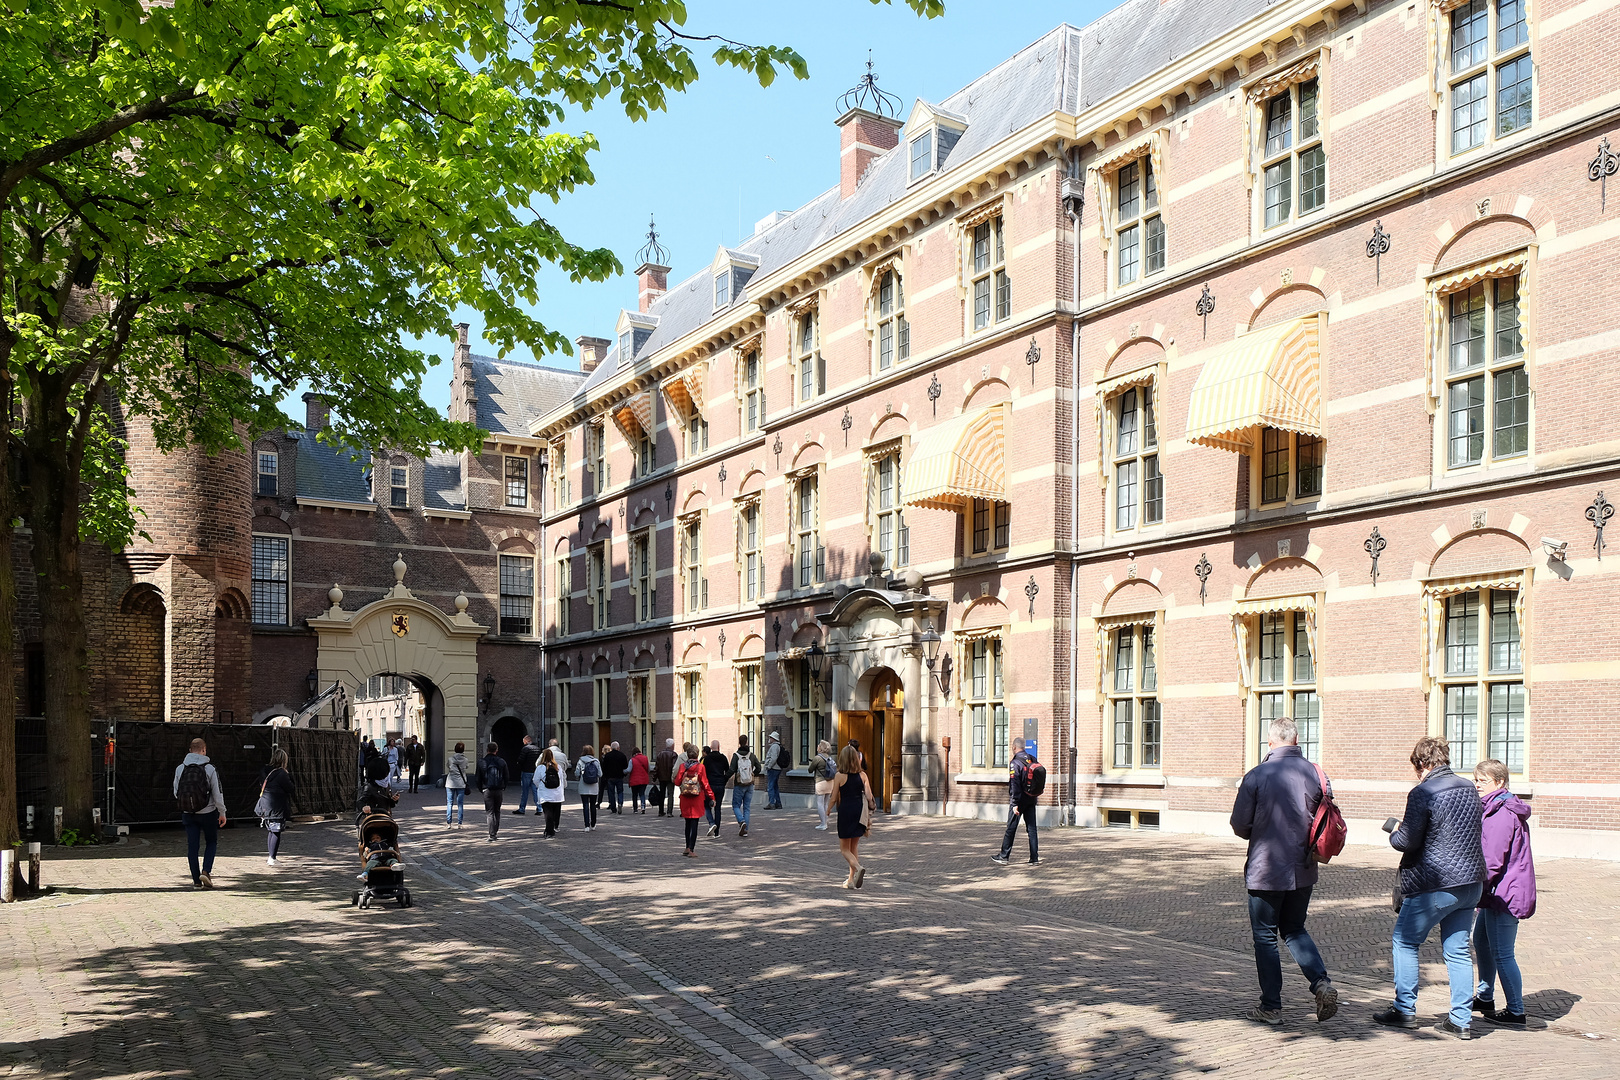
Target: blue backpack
590	772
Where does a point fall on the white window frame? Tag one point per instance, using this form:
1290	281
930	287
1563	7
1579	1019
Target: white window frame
1286	152
1489	68
1136	453
565	593
809	557
808	363
751	702
1496	626
1493	365
1282	697
892	535
599	582
689	706
751	393
697	434
399	480
596	460
644	574
559	472
601	701
751	551
285	583
638	690
923	142
1132	693
522	492
1134	224
502	560
273	473
986	729
564	719
722	289
892	336
987	276
694	582
812	719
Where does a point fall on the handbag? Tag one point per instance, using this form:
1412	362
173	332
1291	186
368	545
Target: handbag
866	811
262	808
655	794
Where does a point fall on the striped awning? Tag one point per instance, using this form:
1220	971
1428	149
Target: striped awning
684	392
1269	378
962	459
634	416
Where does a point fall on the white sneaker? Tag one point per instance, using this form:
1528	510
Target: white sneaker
270	862
821	828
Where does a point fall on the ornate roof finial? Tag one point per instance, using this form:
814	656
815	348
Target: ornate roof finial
652	251
866	95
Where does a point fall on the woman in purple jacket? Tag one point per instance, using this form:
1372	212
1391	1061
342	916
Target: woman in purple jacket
1510	893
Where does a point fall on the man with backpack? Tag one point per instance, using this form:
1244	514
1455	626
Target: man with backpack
492	780
528	761
744	768
664	774
777	762
1026	781
718	770
1277	812
202	810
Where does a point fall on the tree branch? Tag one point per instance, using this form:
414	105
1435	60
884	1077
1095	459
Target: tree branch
159	108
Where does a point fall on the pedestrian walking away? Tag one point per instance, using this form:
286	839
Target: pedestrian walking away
777	762
614	765
275	800
455	786
853	794
528	761
1441	881
1509	895
549	778
558	756
664	773
640	777
693	781
392	754
588	771
745	770
415	760
1026	780
824	767
1274	811
492	779
718	770
202	810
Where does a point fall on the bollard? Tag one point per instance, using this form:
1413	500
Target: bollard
95	817
34	882
56	838
8	870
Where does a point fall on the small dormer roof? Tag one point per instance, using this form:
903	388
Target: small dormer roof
725	257
639	320
924	114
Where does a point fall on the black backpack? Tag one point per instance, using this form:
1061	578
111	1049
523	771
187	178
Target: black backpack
553	777
1034	779
495	775
194	791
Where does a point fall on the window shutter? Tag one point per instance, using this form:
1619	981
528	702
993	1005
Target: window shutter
680	567
705	589
739	513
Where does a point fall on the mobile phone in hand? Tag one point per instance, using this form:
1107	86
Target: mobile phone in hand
1391	824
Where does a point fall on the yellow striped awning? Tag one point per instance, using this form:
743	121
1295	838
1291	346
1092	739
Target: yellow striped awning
962	459
634	416
1270	378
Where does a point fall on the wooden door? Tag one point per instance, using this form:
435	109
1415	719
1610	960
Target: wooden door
883	753
604	736
857	726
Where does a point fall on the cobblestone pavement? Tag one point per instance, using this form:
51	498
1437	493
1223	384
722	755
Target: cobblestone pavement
607	955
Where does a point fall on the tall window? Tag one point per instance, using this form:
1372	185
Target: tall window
992	291
270	580
559	472
517	481
1490	48
922	155
722	289
694	725
807	353
893	535
596	456
639	687
517	594
565	592
893	332
753	394
1138	485
697	434
810	720
1136	731
1295	160
987	715
565	712
1484	674
642	577
269	469
601	701
1140	228
990	524
646	457
598	566
1285	682
695	586
399	486
1487	390
809	555
1289	463
749	553
750	705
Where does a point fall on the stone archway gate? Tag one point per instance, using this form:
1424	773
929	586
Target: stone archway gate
406	636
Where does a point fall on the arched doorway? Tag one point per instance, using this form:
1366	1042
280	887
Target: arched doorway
507	733
878	731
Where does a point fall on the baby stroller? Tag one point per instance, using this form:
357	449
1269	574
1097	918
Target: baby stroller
379	859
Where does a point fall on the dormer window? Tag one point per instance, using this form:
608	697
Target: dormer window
625	344
922	155
722	290
932	133
633	329
731	270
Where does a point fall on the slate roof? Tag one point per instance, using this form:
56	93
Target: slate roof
511	396
1131	42
327	472
441	482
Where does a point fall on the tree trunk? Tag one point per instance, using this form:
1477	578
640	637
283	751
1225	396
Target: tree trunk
8	608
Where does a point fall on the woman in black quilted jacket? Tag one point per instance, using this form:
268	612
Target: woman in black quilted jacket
1442	874
277	787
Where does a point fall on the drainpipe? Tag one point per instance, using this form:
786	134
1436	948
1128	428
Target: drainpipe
1075	204
540	616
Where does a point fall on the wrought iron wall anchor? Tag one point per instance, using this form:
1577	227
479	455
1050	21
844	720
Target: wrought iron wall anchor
1375	546
1601	167
1204	307
934	390
1203	570
846	423
1377	248
722	644
776	628
1031	590
1032	357
776	448
1599	514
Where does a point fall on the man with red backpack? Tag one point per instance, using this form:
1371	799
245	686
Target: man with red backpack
1283	805
1025	782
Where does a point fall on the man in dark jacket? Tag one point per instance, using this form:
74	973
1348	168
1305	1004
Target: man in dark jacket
1276	805
492	780
528	762
415	758
719	770
1020	805
664	773
615	763
1442	875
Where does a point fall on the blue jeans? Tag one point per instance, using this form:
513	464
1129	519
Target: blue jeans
455	800
742	801
526	780
1274	911
1453	910
614	786
773	793
199	826
715	810
1495	933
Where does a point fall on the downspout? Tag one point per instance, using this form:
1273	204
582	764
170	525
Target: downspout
540	616
1075	204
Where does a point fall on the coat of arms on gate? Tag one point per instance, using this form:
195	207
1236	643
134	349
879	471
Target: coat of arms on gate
401	624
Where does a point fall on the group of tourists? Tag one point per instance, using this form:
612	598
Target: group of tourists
405	756
1465	867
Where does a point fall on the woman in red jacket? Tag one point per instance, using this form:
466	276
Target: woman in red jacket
640	777
693	783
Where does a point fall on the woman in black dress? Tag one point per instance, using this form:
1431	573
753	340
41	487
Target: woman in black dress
854	796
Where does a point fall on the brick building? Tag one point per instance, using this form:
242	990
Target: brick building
1090	370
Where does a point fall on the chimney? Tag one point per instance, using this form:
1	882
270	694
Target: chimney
865	135
315	410
463	393
652	281
592	350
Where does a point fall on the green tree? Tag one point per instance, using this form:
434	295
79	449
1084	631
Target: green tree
206	202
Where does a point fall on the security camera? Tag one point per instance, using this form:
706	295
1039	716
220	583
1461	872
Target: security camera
1557	549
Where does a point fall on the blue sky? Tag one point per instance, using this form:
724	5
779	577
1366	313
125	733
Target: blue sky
727	152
